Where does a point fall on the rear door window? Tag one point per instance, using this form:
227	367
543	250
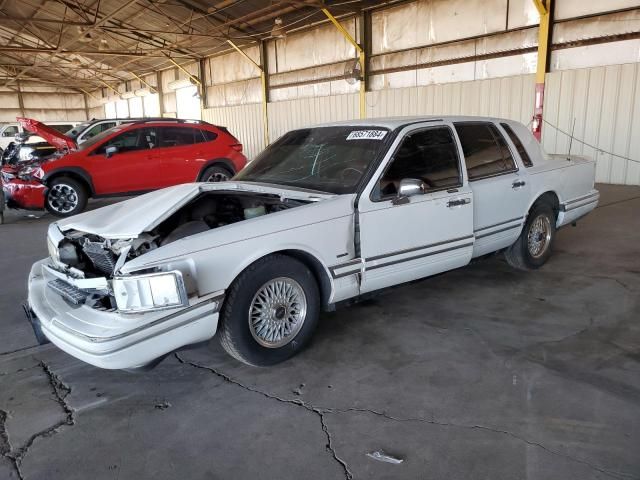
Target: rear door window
132	140
177	136
485	150
524	156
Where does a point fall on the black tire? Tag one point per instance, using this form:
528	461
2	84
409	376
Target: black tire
66	197
521	254
236	335
216	173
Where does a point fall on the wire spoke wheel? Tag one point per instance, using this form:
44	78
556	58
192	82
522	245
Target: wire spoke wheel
539	236
277	312
63	198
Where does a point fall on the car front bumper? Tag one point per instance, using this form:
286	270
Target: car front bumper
26	194
108	339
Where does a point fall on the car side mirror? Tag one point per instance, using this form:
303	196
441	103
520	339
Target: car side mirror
110	151
409	187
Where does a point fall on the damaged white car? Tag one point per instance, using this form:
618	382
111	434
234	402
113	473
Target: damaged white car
323	215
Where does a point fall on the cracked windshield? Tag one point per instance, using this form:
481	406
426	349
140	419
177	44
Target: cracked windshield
327	159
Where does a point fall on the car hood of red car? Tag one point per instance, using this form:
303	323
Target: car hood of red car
52	136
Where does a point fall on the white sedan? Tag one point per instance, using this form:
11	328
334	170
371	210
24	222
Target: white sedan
323	215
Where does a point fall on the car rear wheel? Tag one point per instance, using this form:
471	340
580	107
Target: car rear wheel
66	197
271	311
533	247
216	174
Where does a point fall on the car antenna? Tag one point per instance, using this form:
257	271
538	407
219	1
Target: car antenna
571	137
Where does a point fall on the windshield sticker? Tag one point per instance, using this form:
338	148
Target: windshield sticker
367	135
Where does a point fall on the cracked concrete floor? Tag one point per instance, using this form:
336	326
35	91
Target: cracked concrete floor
483	372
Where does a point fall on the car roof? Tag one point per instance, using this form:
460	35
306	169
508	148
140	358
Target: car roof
395	122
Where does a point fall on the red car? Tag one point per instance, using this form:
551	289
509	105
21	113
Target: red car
125	160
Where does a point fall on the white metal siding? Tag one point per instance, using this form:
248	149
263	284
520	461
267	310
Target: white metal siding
290	114
604	102
509	97
244	122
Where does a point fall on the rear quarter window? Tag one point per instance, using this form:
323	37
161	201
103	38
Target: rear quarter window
205	136
526	159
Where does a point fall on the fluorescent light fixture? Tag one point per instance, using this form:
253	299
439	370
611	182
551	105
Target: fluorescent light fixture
142	92
278	30
127	95
176	84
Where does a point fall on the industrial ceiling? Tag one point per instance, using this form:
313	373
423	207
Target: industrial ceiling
84	43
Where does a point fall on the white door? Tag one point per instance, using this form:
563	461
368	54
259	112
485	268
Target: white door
402	239
500	191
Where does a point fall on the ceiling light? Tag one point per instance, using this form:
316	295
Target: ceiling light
75	61
176	84
104	45
278	30
86	38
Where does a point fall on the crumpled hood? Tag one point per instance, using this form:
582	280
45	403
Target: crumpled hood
132	217
52	136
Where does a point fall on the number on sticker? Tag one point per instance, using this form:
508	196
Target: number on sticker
367	135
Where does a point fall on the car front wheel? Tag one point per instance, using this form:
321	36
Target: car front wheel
66	197
271	311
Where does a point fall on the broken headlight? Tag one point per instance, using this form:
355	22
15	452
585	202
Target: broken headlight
154	291
30	173
54	253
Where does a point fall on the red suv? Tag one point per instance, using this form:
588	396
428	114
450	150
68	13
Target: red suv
125	160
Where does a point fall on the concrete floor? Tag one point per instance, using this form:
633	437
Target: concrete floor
483	372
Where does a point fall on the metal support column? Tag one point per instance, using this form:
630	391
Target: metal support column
545	8
361	59
160	91
86	106
265	92
202	68
20	100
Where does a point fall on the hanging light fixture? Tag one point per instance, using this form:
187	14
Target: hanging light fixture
104	45
278	30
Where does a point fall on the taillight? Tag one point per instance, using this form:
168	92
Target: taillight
237	147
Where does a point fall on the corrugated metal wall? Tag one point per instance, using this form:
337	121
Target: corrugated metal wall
290	114
52	106
604	103
243	121
509	97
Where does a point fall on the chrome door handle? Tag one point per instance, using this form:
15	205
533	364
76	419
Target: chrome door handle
459	202
518	184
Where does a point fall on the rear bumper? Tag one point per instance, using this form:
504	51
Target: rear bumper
28	195
572	210
108	339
